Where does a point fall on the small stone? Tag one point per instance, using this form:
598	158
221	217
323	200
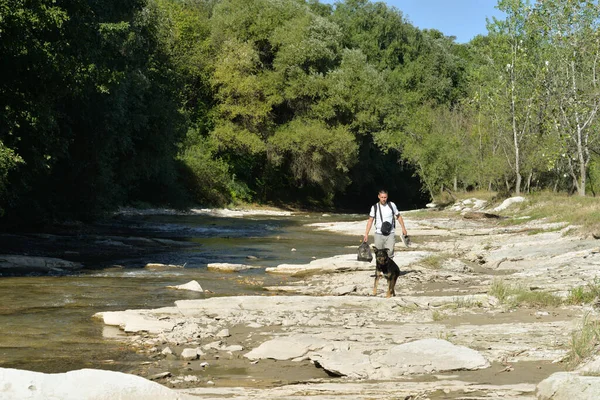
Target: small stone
190	354
160	375
223	333
235	347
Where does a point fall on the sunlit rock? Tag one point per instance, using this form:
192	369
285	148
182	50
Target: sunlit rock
89	384
569	386
193	286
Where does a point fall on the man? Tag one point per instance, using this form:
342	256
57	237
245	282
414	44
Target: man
381	212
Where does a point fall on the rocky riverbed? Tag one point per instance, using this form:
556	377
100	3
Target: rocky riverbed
449	333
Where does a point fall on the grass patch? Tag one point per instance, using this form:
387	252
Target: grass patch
429	213
466	302
584	341
445	335
500	290
518	295
537	299
556	207
584	294
438	315
434	261
583	212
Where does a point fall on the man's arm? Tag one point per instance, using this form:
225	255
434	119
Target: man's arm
401	222
369	224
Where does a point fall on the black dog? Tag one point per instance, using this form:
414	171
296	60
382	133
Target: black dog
385	266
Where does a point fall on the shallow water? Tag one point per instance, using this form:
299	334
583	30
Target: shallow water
46	322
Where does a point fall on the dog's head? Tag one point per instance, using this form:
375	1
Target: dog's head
381	255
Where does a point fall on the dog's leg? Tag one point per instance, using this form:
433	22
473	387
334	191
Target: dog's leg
375	285
392	286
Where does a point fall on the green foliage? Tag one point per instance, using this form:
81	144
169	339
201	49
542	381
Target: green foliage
356	95
206	177
9	160
379	31
185	32
316	153
288	100
92	116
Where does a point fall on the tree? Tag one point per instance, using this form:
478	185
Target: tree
571	30
513	50
87	104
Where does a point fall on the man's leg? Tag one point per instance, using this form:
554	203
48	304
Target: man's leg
389	243
379	241
385	242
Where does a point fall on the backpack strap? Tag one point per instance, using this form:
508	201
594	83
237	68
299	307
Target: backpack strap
389	203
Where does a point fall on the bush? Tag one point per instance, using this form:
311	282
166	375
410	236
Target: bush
207	178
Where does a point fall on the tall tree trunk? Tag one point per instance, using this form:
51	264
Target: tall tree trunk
528	183
513	112
582	163
455	186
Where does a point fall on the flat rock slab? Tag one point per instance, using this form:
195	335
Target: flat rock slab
286	348
405	389
342	263
432	355
228	267
135	321
419	357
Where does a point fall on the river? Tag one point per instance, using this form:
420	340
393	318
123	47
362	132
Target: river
46	322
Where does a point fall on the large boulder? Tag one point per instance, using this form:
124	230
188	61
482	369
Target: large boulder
569	386
509	202
82	384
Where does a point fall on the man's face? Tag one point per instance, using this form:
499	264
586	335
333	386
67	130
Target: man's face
382	198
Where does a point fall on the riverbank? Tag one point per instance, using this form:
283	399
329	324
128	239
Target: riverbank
444	296
484	309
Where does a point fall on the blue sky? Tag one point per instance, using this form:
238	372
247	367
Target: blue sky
461	18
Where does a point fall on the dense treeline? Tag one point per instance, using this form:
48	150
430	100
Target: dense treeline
176	102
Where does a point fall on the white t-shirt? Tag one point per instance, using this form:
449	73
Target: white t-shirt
389	211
